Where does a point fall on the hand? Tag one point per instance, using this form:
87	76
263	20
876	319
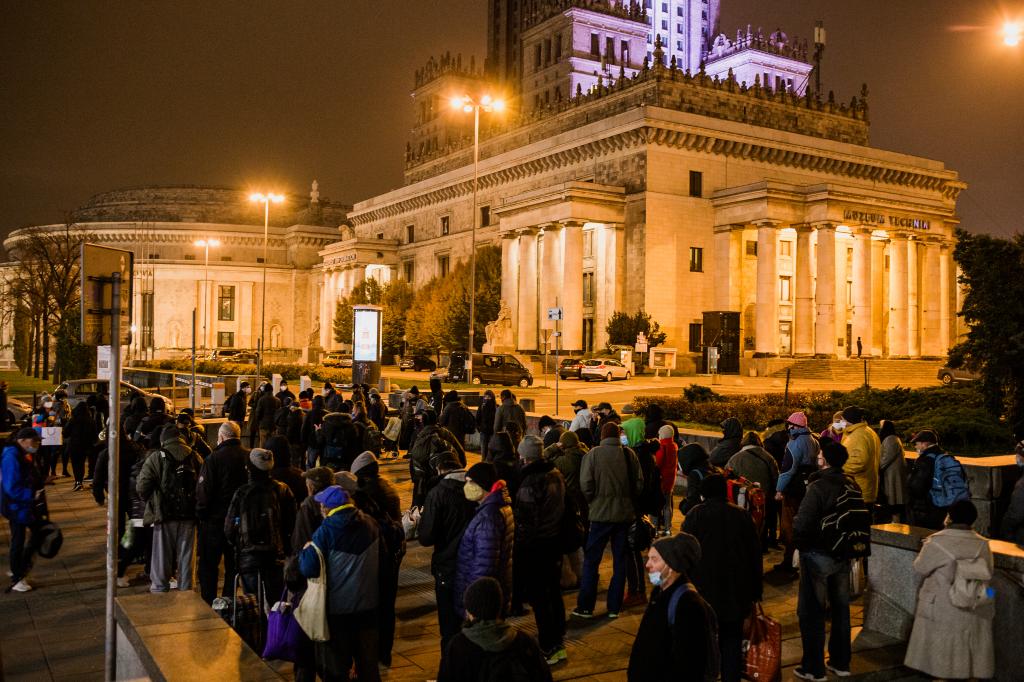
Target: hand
778	497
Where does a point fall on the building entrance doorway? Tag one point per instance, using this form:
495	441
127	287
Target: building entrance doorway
785	337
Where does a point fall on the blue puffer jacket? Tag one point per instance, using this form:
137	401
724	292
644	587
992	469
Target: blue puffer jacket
20	483
800	460
486	547
350	542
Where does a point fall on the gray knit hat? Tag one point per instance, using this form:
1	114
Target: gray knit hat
681	552
365	459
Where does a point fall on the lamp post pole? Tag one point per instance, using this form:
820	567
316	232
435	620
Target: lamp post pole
265	199
472	253
204	308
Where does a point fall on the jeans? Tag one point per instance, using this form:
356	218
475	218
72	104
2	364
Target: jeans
22	551
730	647
447	615
213	545
544	593
824	583
172	540
600	534
666	513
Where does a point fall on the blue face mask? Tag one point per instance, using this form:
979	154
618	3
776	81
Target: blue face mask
623	439
655	578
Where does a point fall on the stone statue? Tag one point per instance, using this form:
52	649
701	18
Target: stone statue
314	336
499	332
314	194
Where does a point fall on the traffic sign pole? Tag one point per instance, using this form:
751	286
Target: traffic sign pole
113	469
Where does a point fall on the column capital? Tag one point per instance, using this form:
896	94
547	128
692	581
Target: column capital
551	227
730	227
802	228
509	234
571	224
861	230
527	231
819	225
767	222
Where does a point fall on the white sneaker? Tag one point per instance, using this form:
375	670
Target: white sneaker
174	583
21	586
122	582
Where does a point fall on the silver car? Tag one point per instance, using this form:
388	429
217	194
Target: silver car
603	369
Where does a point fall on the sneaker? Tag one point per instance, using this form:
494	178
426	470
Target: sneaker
122	582
837	671
174	584
582	613
21	586
557	655
634	599
76	487
613	614
88	479
802	674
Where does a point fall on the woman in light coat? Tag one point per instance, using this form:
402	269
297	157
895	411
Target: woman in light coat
892	484
948	641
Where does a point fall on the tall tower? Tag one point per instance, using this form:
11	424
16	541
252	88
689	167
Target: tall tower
504	51
686	27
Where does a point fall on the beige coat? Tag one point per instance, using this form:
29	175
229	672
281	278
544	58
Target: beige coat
893	471
865	450
949	642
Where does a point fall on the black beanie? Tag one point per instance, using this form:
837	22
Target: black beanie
713	487
483	599
834	453
681	552
483	474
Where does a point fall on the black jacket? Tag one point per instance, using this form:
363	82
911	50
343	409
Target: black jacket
466	661
249	560
732	436
381	491
236	407
485	416
540	502
454	417
728	574
664	653
338	441
266	408
291	477
223	472
823	490
923	511
446	513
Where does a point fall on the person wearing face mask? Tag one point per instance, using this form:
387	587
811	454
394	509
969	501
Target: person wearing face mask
865	449
237	403
1012	527
332	399
835	429
929	498
798	463
677	638
23	502
486	547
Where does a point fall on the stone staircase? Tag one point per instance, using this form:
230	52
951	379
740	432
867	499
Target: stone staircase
880	372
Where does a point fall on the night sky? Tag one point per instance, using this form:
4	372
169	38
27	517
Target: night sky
100	95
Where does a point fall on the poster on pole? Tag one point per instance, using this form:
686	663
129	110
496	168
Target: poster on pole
97	267
366	336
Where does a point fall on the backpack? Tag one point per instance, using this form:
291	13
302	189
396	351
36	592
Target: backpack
468	420
949	482
713	657
372	440
505	666
970	588
178	487
745	493
259	518
846	530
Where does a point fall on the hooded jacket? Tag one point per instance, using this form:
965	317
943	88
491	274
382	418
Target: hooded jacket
485	643
172	452
20	480
694	461
756	464
350	543
861	441
540	503
509	411
823	490
486	546
605	481
445	516
729	445
223	472
666	459
800	460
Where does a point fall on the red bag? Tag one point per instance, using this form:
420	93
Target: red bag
747	494
762	640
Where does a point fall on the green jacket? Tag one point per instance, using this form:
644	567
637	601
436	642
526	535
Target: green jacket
152	474
605	478
634	429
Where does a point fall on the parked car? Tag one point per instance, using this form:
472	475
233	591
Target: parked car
949	376
570	368
242	357
603	368
80	389
417	363
17	410
500	368
337	359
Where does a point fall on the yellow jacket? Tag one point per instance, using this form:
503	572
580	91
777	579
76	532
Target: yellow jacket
865	450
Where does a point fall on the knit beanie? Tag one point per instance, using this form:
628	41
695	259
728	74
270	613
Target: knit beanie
483	474
681	552
262	459
364	460
569	439
666	431
483	599
530	448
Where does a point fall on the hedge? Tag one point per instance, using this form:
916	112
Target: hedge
290	372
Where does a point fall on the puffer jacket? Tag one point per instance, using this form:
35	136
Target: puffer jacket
800	460
21	481
732	435
540	503
667	458
861	441
486	546
350	543
605	481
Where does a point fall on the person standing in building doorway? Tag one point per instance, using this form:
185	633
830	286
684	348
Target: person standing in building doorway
860	347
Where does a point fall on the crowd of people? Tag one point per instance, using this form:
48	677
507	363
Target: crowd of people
293	490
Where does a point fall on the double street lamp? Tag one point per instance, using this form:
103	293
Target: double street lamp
266	200
469	105
206	244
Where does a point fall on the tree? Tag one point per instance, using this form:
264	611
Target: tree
396	299
623	328
994	343
366	292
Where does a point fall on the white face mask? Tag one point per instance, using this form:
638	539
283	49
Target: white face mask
48	404
31	449
839	425
655	578
324	392
473	492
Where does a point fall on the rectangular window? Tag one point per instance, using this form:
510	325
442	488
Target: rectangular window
536	57
410	234
226	259
609	49
696	259
442	266
485	211
679	45
190	256
147	320
558	46
595	45
751	248
664	7
696	184
408	270
547	51
225	339
785	248
446	225
679	11
785	288
588	288
261	259
226	303
380	235
624	52
849	294
588	243
696	329
679	28
664	24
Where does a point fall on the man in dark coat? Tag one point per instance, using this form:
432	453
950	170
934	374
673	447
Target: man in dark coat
455	416
284	393
262	425
729	445
237	404
283	470
222	473
509	411
728	574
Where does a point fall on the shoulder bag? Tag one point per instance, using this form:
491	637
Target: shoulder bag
312	610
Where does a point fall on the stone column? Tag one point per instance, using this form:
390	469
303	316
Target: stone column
527	338
878	312
803	343
898	247
767	306
608	292
944	296
931	343
862	328
551	275
728	275
510	279
825	291
913	302
571	296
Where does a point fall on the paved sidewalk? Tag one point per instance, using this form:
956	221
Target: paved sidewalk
56	631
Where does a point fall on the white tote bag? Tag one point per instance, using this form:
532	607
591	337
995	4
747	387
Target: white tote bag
312	611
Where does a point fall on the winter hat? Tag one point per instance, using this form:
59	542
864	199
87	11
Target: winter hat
364	460
170	434
666	431
834	453
483	599
610	430
925	436
627	408
713	487
347	480
483	474
530	448
580	404
332	497
544	421
27	433
451	397
681	552
447	461
853	414
321	477
797	419
568	439
329	386
262	459
604	406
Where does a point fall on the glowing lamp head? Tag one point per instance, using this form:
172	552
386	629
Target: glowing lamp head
1013	33
213	242
257	196
276	198
457	102
498	105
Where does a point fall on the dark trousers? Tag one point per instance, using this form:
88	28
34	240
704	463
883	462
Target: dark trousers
78	458
485	441
64	459
212	546
24	543
543	591
824	585
769	532
353	639
790	505
267	570
730	647
635	572
447	615
386	611
600	535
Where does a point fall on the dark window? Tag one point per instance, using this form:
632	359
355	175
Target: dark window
446	225
147	320
624	51
442	265
558	46
595	45
226	259
153	256
226	303
380	235
751	248
536	57
547	52
485	213
696	184
695	332
225	339
588	334
696	259
410	234
261	259
588	288
679	11
609	49
190	256
408	270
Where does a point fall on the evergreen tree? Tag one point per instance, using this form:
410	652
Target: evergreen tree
623	328
367	291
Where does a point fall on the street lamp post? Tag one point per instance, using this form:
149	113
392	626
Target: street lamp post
266	200
468	105
206	244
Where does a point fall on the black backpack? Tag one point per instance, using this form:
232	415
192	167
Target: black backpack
372	439
506	666
259	518
846	530
178	487
468	420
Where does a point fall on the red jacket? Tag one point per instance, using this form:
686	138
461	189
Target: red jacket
668	455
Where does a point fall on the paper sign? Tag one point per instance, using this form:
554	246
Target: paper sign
53	435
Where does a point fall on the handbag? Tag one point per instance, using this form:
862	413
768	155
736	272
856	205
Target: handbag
411	522
640	535
285	637
311	613
856	577
762	641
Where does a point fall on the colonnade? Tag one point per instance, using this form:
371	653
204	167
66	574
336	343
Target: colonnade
337	283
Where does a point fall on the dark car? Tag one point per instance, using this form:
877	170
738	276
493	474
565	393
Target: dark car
417	363
569	368
949	376
500	368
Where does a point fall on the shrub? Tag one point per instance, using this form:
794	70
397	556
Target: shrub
289	372
696	393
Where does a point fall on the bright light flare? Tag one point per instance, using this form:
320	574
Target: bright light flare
1013	33
458	102
207	242
260	197
498	105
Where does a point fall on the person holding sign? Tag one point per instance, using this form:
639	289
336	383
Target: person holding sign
21	496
